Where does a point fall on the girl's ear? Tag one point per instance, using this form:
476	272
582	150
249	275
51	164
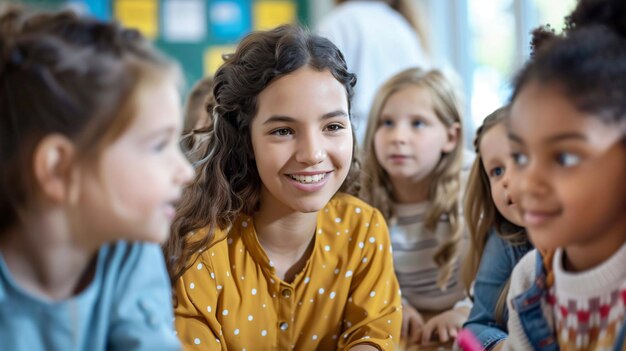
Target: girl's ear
453	132
53	163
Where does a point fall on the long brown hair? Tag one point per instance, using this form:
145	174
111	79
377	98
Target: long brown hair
481	214
444	190
61	73
227	182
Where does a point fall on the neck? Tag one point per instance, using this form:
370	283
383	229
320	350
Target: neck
284	233
286	239
596	250
408	191
44	259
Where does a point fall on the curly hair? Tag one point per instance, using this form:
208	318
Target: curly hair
227	182
444	190
65	74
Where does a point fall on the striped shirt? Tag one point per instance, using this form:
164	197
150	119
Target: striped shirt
413	250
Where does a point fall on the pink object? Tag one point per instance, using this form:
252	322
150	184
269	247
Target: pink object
467	341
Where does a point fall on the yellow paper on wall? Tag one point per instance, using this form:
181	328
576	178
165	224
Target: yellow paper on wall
213	58
270	14
142	15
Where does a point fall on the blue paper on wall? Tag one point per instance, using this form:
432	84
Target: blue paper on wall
229	20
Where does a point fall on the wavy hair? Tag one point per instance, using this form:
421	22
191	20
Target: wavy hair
227	182
443	192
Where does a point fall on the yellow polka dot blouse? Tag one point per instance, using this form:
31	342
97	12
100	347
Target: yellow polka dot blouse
347	294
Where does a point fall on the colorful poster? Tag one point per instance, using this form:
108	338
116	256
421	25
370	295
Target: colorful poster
184	20
213	57
229	20
140	14
270	14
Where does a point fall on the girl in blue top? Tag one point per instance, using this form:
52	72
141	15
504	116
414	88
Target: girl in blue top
497	241
89	162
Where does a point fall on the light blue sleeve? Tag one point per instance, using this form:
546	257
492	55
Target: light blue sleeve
143	315
494	271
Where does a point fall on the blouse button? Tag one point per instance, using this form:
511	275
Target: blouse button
286	293
284	326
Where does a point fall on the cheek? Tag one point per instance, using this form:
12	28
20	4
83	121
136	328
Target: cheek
379	140
342	150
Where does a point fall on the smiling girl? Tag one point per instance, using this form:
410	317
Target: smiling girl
266	254
568	141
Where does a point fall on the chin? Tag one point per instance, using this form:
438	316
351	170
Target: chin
311	206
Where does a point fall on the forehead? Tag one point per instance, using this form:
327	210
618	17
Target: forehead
542	112
156	104
412	96
544	109
302	92
494	143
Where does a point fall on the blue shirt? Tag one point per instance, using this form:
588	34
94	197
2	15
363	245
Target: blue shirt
127	306
497	262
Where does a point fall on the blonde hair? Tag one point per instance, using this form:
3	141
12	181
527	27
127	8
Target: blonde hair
481	214
443	192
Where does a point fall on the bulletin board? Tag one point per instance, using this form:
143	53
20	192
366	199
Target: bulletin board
194	32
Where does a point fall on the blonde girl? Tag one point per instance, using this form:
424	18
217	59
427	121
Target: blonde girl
412	173
90	170
266	254
497	240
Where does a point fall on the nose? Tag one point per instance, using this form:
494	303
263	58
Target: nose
531	180
398	134
311	150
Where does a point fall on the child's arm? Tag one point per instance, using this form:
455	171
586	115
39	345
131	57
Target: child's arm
142	318
196	296
374	313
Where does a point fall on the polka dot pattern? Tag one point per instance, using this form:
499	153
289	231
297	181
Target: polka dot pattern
245	299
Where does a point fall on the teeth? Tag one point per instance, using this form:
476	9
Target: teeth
308	179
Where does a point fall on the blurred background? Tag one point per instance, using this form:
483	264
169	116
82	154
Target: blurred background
483	41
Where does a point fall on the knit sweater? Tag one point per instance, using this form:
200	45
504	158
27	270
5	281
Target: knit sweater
585	309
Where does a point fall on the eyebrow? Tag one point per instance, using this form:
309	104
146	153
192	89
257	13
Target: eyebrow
280	118
553	139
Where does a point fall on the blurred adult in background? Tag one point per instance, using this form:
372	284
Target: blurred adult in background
378	39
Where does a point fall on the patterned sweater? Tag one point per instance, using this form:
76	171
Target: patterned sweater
586	309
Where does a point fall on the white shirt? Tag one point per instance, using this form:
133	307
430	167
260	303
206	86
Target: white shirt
377	42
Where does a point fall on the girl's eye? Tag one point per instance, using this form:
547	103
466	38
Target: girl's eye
160	146
497	172
519	158
386	122
281	131
334	127
418	124
566	159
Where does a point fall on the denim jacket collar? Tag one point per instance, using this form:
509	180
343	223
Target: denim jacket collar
530	311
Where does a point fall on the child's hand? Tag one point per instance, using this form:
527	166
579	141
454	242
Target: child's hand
445	325
412	323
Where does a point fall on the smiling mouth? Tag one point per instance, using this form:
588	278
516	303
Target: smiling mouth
538	218
308	179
